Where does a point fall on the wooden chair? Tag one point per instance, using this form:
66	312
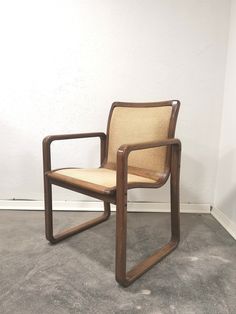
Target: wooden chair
139	151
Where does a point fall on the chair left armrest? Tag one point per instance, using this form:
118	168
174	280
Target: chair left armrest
124	151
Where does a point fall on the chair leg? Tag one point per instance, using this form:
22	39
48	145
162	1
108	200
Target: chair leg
126	278
121	237
71	231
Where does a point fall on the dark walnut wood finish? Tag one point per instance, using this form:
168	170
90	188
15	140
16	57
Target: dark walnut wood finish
119	195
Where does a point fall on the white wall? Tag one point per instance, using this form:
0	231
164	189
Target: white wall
63	62
225	196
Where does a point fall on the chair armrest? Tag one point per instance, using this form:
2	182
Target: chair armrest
124	151
51	138
127	148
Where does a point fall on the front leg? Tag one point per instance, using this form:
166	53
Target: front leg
70	231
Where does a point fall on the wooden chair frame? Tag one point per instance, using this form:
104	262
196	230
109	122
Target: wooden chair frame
119	196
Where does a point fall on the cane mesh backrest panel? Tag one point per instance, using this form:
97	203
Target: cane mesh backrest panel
130	125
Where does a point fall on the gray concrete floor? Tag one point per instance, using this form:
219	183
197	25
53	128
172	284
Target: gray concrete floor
77	275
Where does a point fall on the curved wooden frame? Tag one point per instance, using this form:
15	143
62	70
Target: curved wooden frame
119	196
125	279
48	189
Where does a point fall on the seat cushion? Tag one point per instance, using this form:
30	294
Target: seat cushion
101	180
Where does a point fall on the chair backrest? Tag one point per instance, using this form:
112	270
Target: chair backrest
130	123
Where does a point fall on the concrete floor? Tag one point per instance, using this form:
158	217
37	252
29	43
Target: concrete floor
77	275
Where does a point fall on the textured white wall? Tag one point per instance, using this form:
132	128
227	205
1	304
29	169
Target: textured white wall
64	62
225	196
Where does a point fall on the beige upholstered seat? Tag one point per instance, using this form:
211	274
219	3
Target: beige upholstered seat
100	180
